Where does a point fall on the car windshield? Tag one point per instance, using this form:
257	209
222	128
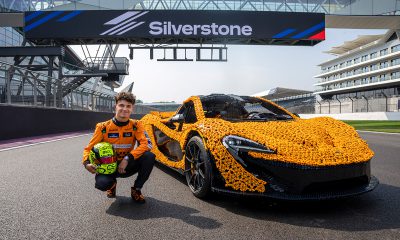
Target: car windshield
241	108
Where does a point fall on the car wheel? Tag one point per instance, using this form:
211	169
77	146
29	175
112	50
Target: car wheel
197	167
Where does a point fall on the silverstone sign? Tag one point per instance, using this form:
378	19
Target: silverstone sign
179	24
167	28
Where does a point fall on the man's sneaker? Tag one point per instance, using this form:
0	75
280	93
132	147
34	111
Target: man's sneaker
112	191
137	196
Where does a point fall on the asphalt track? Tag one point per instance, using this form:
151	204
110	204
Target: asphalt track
46	194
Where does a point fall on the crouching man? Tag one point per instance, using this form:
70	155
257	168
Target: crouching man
123	132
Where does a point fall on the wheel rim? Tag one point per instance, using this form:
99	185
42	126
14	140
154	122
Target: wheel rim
194	167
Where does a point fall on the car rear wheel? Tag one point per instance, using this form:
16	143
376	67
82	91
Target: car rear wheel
197	167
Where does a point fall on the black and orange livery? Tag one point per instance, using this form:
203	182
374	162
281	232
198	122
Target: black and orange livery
123	139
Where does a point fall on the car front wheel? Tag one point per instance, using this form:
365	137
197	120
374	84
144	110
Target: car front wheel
197	168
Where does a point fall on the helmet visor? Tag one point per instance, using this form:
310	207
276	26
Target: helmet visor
107	160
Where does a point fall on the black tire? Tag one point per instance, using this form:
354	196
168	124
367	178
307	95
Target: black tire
198	168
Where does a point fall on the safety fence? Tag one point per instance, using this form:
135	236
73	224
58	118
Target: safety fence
307	104
363	104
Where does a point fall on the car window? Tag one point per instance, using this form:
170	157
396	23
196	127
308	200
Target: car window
189	112
236	108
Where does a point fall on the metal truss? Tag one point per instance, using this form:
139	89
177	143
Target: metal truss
61	79
341	7
32	5
20	86
320	6
180	53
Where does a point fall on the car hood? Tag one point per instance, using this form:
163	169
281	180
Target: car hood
319	141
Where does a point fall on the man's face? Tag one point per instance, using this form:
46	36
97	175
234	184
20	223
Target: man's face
123	110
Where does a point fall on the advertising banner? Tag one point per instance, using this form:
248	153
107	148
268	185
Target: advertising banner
246	27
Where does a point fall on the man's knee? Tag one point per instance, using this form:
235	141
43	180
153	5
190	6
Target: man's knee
149	157
103	182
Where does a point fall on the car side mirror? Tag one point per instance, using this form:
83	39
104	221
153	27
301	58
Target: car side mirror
179	118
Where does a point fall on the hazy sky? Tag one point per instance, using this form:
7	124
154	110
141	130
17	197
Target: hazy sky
249	70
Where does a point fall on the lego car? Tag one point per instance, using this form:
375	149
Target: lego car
244	145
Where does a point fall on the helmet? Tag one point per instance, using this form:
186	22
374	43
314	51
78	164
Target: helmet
103	157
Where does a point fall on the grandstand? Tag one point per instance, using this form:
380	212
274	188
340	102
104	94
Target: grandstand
295	100
364	76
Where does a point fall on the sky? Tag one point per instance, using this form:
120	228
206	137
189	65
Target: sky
250	69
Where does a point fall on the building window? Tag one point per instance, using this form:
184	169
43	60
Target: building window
356	60
395	48
395	62
383	52
348	63
364	58
374	67
395	75
383	64
373	55
335	67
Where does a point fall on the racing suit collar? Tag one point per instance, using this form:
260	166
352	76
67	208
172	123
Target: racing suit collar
118	123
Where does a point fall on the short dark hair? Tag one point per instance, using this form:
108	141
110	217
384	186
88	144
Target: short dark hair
127	96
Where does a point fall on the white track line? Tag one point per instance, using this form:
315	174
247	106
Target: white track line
378	132
33	144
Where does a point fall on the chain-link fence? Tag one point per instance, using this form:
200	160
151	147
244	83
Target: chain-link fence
20	86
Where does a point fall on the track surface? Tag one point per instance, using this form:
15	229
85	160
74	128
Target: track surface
46	194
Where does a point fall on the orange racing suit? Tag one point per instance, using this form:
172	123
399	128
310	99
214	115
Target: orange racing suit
123	139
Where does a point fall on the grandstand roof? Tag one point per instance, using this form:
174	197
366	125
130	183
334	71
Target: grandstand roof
128	88
356	43
279	92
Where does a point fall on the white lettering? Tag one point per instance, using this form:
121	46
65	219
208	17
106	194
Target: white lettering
223	30
187	30
238	31
214	28
157	26
205	30
195	28
168	28
176	30
247	30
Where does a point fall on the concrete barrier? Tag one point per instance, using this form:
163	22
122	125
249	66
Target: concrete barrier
358	116
26	121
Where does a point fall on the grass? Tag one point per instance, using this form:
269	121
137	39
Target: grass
375	126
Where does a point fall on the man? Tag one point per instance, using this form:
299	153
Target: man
123	132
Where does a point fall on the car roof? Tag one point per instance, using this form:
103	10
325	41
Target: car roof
222	97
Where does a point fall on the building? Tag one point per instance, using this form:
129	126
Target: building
294	100
363	77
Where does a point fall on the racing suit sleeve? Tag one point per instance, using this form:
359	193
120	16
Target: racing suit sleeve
143	140
96	138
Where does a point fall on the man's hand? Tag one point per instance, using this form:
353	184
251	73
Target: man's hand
122	165
91	168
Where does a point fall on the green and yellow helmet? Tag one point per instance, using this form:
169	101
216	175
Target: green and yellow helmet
103	157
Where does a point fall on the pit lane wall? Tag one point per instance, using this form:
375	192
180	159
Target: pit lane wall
358	116
22	121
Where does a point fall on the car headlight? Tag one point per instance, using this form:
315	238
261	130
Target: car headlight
236	144
240	144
